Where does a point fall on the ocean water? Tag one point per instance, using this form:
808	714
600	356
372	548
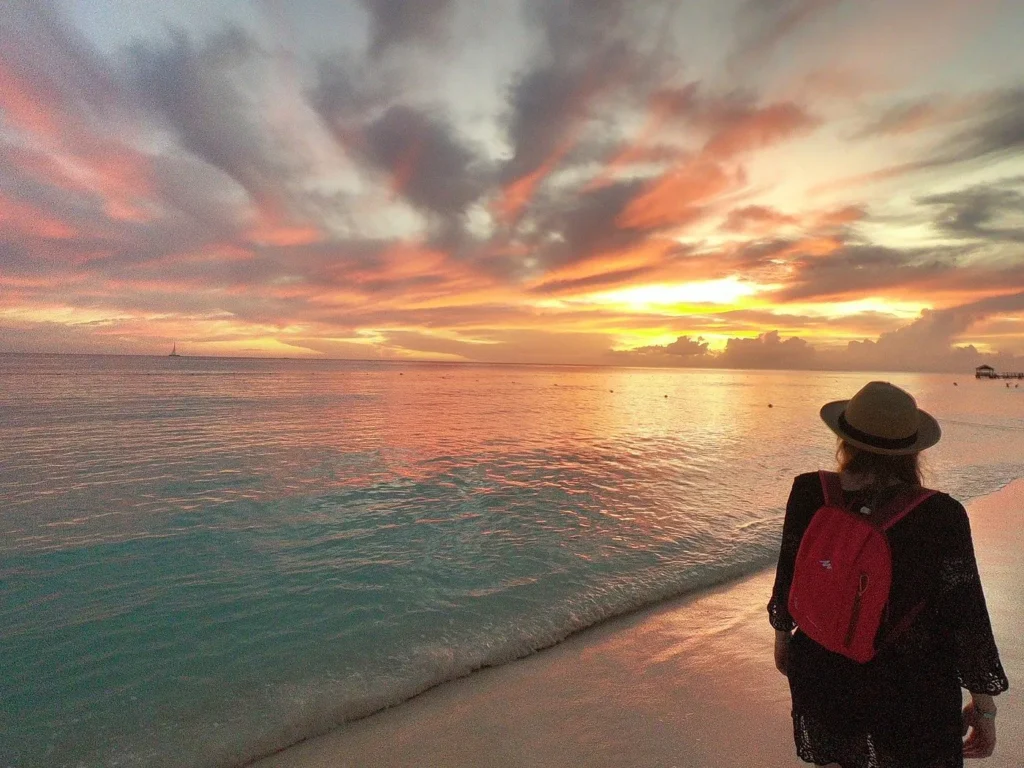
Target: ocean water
205	560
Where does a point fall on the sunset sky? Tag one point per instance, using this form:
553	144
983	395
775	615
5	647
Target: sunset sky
741	183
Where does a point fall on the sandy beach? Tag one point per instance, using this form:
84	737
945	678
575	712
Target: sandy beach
686	683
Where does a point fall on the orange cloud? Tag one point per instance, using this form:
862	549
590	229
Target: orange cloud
518	194
675	199
411	275
24	108
73	158
272	226
21	218
815	245
840	216
659	112
758	220
760	128
122	177
763	221
607	270
283	235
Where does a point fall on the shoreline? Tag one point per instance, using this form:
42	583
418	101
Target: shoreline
688	681
727	581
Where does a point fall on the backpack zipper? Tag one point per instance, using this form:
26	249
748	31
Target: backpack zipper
861	589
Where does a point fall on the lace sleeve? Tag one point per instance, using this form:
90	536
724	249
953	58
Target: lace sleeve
799	509
962	605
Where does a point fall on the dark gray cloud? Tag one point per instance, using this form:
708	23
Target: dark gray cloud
40	47
28	175
993	130
765	24
201	92
636	34
991	305
576	27
574	228
415	152
348	93
595	53
608	279
429	164
395	23
911	116
999	130
863	269
987	218
899	118
199	201
548	108
993	212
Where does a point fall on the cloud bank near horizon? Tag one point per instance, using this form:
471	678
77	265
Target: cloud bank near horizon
789	184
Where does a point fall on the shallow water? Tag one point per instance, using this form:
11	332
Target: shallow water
205	560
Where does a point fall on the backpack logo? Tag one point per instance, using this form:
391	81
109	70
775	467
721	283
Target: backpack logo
826	564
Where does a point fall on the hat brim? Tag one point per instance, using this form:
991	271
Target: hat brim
928	430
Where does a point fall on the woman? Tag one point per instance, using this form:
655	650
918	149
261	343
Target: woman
902	708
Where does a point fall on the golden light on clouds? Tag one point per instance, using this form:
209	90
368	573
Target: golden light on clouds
907	310
728	291
579	195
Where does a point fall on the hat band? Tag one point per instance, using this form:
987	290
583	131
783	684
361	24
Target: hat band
873	440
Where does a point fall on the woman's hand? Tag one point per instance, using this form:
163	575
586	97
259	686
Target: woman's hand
982	739
782	651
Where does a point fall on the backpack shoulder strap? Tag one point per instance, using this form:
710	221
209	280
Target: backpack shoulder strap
918	497
832	488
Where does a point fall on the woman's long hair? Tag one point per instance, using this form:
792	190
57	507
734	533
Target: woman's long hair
883	469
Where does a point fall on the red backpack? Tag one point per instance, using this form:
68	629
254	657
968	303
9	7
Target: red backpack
843	572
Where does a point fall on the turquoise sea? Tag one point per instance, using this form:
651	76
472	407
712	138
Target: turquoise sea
205	560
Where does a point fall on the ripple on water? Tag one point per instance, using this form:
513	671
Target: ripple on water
209	566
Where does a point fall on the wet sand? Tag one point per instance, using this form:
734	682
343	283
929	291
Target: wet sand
686	683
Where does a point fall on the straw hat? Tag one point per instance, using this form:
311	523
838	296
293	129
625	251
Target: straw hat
882	418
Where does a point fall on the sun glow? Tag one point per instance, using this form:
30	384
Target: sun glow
725	292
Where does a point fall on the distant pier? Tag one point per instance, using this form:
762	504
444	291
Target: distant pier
988	372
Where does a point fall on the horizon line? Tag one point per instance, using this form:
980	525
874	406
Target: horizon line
477	362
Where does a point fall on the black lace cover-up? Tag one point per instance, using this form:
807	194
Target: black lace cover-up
902	709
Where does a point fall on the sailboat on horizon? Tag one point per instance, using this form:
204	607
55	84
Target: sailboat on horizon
174	350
